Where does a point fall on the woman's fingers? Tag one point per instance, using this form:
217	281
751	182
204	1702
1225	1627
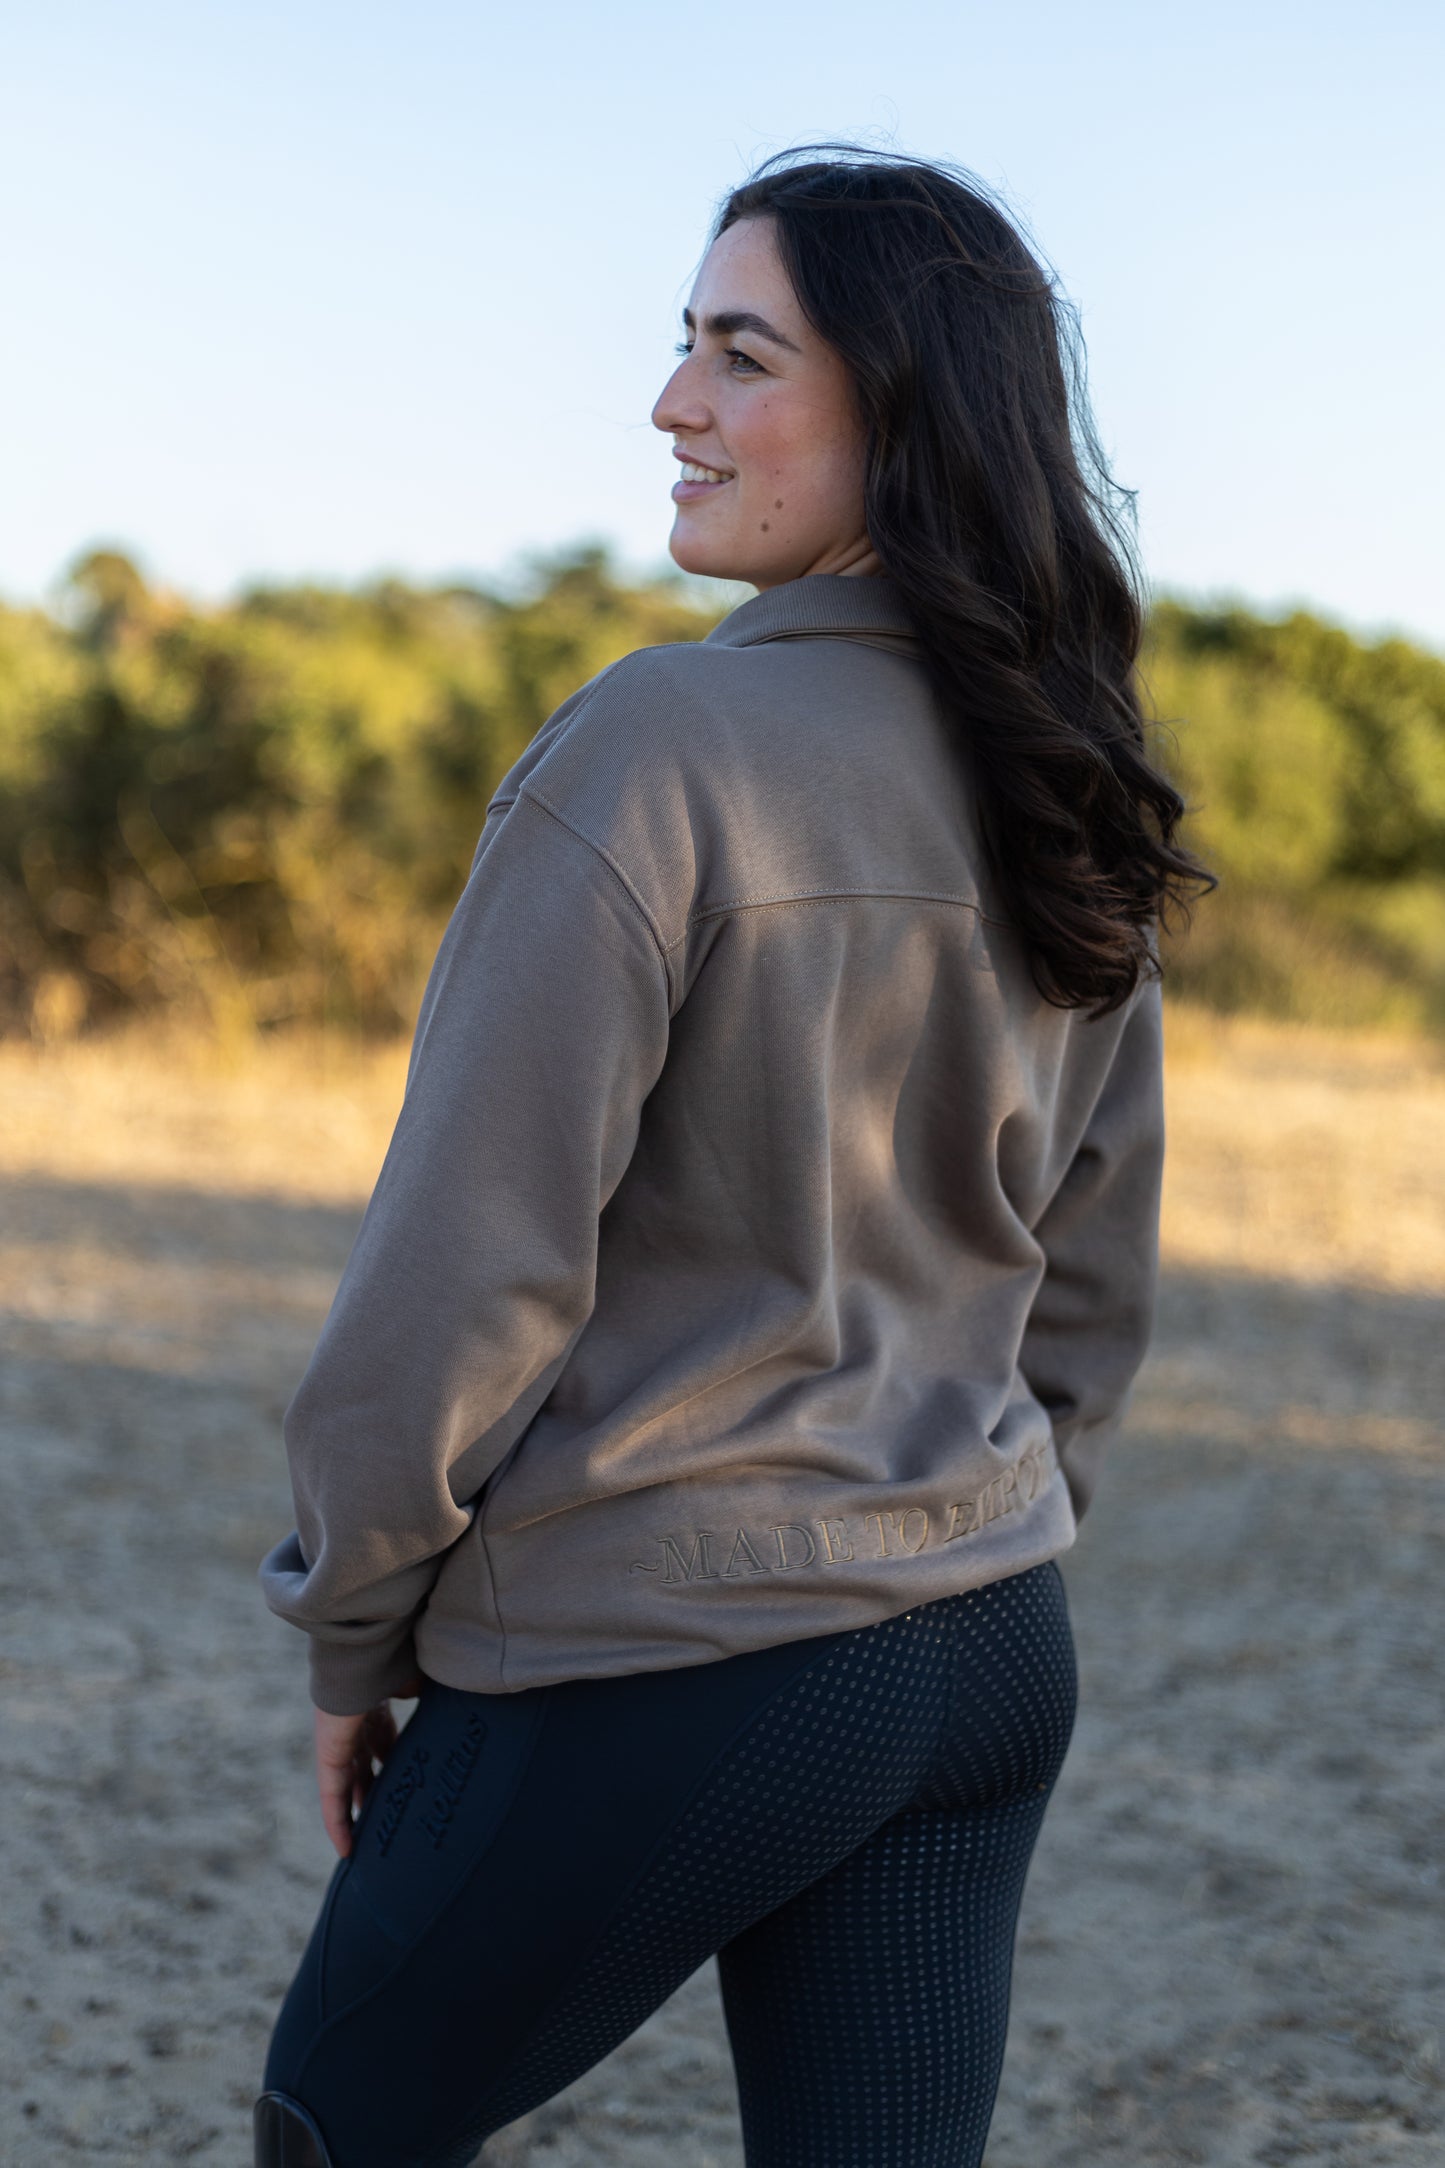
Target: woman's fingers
335	1744
378	1737
346	1748
338	1753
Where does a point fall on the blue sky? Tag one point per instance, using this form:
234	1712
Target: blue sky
328	290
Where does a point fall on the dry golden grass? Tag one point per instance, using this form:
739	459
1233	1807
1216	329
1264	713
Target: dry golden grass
1304	1154
303	1116
1296	1153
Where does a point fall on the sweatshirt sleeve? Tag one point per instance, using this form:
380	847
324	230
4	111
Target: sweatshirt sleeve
542	1029
1089	1326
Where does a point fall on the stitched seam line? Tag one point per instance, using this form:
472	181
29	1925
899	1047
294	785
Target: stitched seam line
324	1943
818	632
496	1597
807	896
534	797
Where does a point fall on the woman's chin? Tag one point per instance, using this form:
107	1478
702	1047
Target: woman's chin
707	556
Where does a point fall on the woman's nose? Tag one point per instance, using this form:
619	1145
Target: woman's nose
679	409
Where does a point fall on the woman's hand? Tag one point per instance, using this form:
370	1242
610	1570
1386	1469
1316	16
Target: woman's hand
350	1751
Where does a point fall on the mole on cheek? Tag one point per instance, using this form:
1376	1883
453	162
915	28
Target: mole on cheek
777	504
765	526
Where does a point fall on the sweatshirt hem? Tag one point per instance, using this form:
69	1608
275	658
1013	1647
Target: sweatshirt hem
673	1633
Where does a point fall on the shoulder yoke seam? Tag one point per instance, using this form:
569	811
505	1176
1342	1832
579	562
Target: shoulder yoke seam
804	896
789	900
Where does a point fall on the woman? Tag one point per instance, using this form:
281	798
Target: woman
760	1263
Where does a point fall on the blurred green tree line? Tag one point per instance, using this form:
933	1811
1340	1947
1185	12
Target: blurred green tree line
265	810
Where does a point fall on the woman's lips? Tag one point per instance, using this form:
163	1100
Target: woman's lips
684	492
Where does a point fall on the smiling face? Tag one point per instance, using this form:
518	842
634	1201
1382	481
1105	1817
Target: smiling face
764	423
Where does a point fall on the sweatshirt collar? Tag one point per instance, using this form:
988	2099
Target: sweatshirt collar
822	605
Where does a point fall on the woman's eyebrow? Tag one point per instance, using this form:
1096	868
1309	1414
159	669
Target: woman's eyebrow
728	321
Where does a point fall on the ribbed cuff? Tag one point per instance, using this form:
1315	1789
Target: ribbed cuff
347	1680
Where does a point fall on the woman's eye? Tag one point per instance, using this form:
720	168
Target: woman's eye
734	354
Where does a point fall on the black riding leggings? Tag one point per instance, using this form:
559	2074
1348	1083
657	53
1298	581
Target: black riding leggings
846	1821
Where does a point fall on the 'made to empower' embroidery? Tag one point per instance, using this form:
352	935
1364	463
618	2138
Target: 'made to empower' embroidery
710	1554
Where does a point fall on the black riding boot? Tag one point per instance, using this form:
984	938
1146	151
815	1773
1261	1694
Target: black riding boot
286	2137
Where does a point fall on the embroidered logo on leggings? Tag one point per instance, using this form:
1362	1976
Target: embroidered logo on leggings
791	1546
446	1785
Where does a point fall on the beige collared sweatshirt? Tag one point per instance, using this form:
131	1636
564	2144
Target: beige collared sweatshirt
757	1254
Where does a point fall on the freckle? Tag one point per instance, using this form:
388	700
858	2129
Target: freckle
765	526
777	504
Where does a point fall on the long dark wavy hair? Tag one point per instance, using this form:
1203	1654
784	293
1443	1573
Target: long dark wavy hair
989	501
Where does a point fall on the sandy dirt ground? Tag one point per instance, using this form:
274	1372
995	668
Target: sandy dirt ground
1233	1942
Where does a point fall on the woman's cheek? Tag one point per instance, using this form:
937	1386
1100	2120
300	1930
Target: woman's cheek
772	509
